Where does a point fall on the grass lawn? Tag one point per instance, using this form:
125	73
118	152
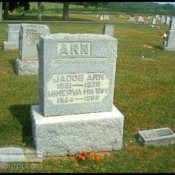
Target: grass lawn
144	93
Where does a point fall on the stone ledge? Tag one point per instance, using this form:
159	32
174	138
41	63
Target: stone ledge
10	45
68	135
27	67
169	48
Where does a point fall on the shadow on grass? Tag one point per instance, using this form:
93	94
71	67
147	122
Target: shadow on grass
22	113
12	62
136	136
159	47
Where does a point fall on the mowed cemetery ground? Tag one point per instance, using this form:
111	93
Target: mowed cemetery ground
144	93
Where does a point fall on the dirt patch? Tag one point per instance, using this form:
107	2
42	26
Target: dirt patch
147	46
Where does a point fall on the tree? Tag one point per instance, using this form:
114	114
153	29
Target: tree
39	12
0	11
65	16
6	8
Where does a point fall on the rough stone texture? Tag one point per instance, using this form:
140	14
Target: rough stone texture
68	135
13	37
11	154
157	137
28	63
170	41
24	67
76	55
108	29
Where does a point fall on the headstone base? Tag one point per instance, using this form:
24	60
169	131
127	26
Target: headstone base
10	45
169	48
26	67
70	134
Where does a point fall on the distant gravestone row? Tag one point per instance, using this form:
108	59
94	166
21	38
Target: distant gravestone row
104	17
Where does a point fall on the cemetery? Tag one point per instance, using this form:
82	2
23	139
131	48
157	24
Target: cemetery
89	96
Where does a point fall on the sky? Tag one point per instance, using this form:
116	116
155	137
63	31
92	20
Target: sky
166	3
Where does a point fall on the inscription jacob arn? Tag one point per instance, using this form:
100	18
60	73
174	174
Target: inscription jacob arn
77	88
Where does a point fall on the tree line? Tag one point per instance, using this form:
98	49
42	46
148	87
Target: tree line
128	7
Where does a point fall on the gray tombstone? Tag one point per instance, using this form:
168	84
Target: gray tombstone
27	63
13	37
76	87
157	137
169	41
108	29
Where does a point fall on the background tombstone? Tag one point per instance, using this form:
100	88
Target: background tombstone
158	17
154	21
76	86
150	17
140	19
163	19
169	43
168	19
131	18
27	63
106	17
101	17
13	37
108	29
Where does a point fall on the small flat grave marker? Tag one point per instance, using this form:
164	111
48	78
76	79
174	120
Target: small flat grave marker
157	137
11	154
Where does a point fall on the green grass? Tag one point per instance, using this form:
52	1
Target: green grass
144	93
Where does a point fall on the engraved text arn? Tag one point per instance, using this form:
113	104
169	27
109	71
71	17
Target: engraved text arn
67	49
